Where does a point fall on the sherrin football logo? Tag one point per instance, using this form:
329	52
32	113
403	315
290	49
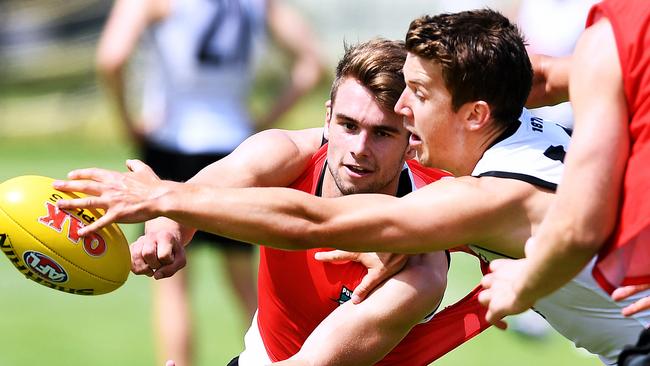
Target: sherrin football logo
42	241
55	219
6	247
45	267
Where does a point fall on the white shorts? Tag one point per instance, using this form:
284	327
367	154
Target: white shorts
584	313
254	353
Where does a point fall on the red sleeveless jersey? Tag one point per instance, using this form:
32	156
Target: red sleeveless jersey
296	292
625	260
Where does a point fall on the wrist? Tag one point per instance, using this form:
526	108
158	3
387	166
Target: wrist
165	201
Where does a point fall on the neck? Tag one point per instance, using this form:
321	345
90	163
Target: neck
475	147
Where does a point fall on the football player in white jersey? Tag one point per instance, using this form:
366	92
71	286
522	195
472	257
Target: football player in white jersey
468	76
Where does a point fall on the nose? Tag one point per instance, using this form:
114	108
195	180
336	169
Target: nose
361	144
402	106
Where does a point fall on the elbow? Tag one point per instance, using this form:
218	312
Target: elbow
426	274
307	73
108	64
587	239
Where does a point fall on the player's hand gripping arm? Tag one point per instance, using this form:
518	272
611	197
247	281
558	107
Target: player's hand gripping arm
381	266
585	209
362	334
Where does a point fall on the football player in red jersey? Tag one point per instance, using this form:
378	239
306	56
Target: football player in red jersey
468	76
364	148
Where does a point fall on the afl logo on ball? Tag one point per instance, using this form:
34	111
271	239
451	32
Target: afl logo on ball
45	267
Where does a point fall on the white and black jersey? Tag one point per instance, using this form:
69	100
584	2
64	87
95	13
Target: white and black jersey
198	73
532	151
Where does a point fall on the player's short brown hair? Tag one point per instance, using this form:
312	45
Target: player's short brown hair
482	56
377	65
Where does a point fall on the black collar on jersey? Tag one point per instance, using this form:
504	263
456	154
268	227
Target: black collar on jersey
404	186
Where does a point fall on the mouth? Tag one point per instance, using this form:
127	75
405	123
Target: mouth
357	170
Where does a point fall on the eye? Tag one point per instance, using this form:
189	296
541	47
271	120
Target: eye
382	133
419	95
349	125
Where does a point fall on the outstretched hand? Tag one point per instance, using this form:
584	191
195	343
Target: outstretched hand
126	197
381	266
501	293
624	292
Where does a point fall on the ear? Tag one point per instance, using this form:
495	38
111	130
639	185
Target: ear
411	152
476	115
328	118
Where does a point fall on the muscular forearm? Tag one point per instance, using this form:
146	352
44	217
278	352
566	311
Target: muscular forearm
290	219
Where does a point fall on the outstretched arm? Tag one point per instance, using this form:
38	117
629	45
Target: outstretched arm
585	210
439	216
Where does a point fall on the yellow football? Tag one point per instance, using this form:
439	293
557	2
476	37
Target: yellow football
43	243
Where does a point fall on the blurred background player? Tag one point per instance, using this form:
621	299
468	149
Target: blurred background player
196	88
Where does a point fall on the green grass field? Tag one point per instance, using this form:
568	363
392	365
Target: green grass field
43	327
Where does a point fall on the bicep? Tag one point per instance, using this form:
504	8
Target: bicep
596	159
271	158
598	97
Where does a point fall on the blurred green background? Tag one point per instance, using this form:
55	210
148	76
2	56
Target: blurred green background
53	118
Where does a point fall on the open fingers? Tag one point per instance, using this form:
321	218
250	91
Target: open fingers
336	256
625	291
640	305
370	281
487	281
96	225
83	202
84	186
96	174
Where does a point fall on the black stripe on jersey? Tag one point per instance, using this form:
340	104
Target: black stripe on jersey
566	129
523	177
404	186
319	185
493	252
